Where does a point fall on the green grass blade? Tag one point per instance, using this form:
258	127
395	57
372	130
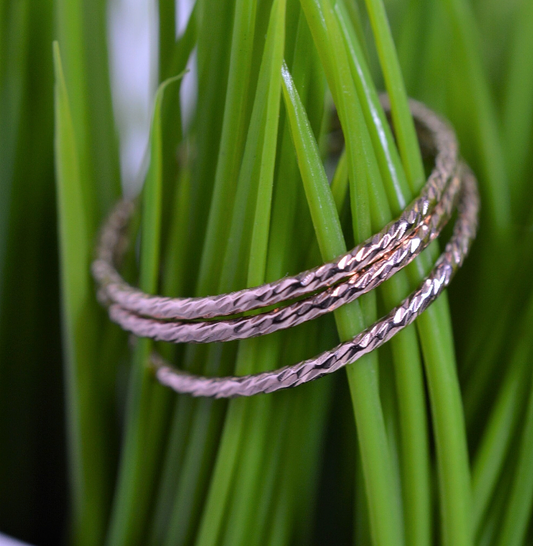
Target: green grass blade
378	471
148	402
151	198
184	45
329	233
213	57
520	499
173	284
196	471
90	475
483	117
406	357
502	425
269	89
518	107
401	115
441	361
340	182
176	64
398	190
31	379
250	484
412	40
231	142
101	130
87	78
261	227
167	36
12	81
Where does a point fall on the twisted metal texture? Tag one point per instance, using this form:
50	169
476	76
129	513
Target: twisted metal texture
346	353
434	134
359	283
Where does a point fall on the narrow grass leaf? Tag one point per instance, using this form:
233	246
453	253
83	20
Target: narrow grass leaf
232	141
147	403
518	106
502	425
519	502
88	445
407	362
480	105
269	91
401	115
371	430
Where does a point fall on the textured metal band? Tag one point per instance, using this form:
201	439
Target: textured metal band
346	353
434	135
359	283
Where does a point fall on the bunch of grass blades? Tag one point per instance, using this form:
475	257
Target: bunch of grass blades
428	440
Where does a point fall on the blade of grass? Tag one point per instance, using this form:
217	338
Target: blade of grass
407	362
363	380
87	78
518	107
494	177
101	131
435	332
518	507
167	36
413	412
315	410
252	461
183	46
213	57
252	184
147	401
434	56
404	348
176	59
31	395
490	463
476	121
502	425
89	473
210	525
401	115
232	141
173	285
389	161
176	215
278	428
411	43
298	480
12	83
491	526
239	521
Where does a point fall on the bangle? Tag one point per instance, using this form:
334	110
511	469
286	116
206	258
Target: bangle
359	283
435	136
346	353
324	288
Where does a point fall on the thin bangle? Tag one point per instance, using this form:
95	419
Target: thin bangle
359	283
346	353
434	134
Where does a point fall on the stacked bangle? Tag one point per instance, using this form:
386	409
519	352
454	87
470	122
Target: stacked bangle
324	289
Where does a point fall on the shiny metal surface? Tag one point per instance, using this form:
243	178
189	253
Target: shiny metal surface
359	283
346	353
435	135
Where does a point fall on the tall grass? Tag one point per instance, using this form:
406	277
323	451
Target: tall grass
425	441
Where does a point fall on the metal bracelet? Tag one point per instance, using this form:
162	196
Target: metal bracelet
434	134
359	283
346	353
